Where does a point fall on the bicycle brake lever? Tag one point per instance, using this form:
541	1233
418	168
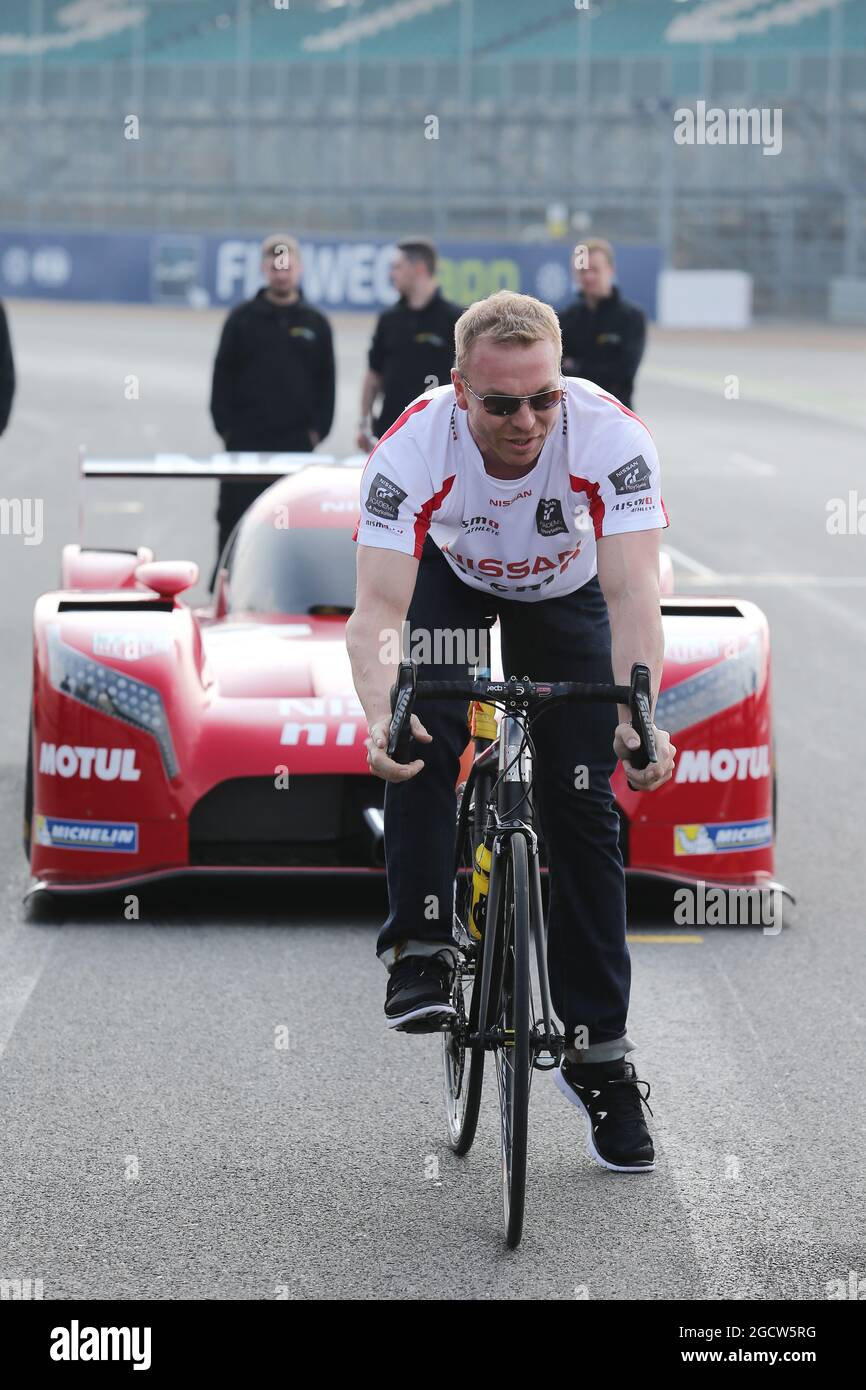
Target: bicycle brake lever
402	700
641	717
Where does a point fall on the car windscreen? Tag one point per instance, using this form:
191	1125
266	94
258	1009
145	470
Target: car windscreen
275	570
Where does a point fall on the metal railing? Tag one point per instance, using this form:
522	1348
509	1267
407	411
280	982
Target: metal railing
308	144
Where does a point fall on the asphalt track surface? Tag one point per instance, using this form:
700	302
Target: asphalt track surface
321	1170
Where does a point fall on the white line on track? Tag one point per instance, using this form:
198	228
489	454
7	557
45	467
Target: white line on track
695	567
808	586
117	508
847	410
847	616
785	581
25	955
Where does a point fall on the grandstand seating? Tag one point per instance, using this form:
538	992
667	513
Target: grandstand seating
207	31
325	101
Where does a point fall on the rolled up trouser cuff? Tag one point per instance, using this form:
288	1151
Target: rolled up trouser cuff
392	954
608	1051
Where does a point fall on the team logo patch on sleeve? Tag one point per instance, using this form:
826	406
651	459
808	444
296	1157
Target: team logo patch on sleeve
633	476
549	520
385	498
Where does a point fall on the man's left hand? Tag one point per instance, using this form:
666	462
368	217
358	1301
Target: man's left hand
654	775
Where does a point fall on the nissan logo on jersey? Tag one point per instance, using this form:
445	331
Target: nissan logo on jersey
385	498
633	476
507	501
106	764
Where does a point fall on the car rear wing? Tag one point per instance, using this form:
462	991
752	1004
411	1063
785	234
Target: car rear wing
219	467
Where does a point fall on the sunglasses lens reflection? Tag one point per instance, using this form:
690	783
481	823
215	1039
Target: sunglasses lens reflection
509	405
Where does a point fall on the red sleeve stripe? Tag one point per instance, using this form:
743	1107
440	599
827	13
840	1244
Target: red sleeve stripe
625	410
401	420
596	505
422	523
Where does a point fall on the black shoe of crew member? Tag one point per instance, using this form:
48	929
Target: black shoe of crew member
273	378
413	343
603	335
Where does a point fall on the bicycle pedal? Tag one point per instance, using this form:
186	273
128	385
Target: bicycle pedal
544	1062
430	1023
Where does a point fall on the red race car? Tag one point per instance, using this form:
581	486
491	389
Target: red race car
168	740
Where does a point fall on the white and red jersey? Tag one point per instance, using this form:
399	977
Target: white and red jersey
597	475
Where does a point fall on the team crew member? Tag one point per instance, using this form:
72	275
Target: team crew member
273	378
7	372
413	344
603	335
517	494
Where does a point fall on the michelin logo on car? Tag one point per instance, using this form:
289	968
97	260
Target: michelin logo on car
716	839
117	836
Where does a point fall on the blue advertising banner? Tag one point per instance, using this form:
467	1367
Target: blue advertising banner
339	274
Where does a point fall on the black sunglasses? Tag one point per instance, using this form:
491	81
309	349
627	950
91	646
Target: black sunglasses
509	405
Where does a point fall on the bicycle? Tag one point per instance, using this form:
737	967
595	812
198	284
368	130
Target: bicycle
497	905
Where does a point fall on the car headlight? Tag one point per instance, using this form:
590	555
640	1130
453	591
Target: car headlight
708	692
133	702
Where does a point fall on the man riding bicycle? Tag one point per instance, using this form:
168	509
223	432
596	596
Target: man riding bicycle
519	494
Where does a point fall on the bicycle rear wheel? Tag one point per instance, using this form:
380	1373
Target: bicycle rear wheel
511	1016
464	1066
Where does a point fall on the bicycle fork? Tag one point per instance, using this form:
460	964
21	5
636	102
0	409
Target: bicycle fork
545	1038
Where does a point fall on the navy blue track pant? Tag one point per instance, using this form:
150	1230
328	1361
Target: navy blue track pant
566	638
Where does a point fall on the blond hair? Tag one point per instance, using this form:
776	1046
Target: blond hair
506	317
595	243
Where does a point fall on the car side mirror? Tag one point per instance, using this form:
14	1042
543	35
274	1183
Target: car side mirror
168	578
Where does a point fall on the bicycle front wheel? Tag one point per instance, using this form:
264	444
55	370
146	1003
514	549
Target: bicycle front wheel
463	1065
511	1020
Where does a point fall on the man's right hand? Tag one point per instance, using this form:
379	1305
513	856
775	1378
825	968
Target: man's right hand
364	441
377	759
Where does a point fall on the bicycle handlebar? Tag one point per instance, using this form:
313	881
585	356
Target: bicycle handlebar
407	688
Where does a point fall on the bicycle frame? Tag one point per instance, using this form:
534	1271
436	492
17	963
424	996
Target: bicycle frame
499	932
513	762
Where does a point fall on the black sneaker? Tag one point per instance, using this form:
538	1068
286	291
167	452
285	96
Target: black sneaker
608	1094
419	993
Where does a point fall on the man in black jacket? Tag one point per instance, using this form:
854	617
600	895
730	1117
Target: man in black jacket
273	379
413	343
603	335
7	371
